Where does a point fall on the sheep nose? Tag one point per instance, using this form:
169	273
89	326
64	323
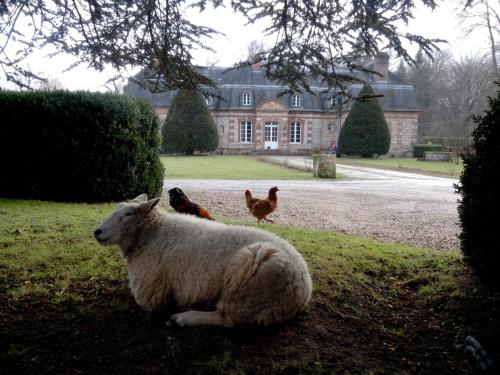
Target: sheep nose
97	232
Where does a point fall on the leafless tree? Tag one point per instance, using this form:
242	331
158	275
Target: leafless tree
255	51
211	61
450	91
114	85
50	84
471	82
484	15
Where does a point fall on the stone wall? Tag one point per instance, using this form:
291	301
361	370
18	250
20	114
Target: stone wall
403	127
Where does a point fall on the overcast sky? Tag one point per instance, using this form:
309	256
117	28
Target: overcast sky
230	48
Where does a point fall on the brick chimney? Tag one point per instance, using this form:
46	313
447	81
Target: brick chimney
381	65
257	66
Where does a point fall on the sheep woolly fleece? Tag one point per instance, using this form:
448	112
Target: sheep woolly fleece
236	275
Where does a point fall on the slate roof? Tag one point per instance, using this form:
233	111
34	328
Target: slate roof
397	94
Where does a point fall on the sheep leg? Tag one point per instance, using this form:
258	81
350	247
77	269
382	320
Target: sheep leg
198	318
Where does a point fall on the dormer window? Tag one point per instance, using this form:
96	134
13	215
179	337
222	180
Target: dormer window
296	100
335	102
246	99
331	102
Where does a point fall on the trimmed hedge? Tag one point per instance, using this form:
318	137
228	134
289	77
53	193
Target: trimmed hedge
446	142
420	150
189	126
365	131
80	146
479	206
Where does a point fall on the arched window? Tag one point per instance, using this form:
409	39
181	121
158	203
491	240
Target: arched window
296	100
246	98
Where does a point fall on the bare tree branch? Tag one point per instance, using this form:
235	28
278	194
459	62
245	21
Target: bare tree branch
483	15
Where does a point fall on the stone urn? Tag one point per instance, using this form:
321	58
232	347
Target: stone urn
324	166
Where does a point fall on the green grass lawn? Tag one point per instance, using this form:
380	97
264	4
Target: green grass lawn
227	167
445	169
377	308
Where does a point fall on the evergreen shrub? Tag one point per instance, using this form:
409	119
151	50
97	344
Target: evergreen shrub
420	150
79	146
365	131
479	205
189	126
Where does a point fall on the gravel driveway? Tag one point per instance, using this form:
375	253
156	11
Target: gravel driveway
386	205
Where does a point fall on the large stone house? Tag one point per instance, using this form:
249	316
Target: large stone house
252	117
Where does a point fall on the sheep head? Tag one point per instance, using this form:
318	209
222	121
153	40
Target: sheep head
123	222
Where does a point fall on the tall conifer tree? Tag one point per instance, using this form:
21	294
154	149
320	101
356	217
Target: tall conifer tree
365	131
189	126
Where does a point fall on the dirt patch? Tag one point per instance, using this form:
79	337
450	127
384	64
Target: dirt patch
344	331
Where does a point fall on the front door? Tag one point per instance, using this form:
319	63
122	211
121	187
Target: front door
271	140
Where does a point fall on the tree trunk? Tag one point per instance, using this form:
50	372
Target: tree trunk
492	39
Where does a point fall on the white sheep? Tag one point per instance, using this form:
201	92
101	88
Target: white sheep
238	275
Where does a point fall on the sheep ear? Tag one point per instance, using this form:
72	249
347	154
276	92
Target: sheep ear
149	205
140	198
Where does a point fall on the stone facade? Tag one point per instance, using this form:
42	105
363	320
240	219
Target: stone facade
272	121
403	127
318	130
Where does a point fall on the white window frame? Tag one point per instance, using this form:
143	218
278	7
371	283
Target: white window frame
246	99
295	133
331	103
246	132
296	100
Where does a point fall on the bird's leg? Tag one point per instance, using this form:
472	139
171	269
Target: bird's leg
269	220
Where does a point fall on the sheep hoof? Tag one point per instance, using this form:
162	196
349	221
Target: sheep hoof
196	318
178	320
171	322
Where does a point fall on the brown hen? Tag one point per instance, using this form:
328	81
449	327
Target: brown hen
260	208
